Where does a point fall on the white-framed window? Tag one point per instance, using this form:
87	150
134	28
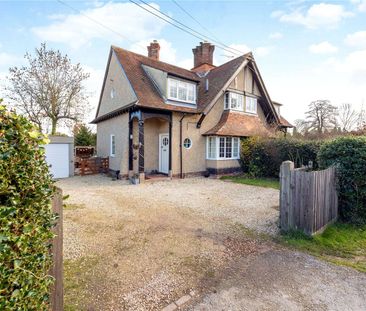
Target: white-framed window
250	104
187	143
223	148
113	145
181	91
234	101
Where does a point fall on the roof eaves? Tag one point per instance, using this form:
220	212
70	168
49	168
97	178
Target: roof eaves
114	113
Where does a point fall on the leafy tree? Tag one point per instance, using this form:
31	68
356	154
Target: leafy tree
83	136
321	116
49	89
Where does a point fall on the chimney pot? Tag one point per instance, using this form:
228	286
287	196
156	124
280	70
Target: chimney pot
154	50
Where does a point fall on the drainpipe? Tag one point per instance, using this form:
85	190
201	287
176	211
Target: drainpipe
181	144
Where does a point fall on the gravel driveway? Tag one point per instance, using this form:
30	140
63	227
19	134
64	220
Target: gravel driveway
141	247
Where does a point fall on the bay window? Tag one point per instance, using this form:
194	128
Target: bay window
234	101
181	91
221	148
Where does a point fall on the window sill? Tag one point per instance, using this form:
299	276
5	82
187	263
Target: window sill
222	159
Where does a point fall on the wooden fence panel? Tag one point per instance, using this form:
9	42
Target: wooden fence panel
94	165
57	290
308	200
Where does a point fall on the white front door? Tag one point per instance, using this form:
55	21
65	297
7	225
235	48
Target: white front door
164	153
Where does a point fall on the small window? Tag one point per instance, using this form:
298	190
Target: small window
250	104
113	93
187	143
113	146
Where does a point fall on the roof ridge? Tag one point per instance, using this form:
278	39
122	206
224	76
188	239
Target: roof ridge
153	60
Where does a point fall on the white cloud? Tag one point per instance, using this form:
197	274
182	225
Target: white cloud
276	35
7	59
124	20
357	39
361	5
262	51
318	15
323	48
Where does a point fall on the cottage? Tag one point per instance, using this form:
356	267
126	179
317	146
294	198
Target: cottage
155	117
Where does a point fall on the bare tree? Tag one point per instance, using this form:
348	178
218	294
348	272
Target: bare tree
301	126
361	119
347	117
49	89
321	116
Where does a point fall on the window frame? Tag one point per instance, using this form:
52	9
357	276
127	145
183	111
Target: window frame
190	143
219	148
229	96
112	145
187	86
255	111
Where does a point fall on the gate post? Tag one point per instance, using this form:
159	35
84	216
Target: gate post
285	194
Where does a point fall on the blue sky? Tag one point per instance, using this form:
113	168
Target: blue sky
305	50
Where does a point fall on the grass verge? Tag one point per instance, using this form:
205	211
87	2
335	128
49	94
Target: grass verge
340	243
259	182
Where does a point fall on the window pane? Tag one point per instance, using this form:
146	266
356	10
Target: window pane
227	100
191	92
173	88
251	104
212	147
182	91
222	147
234	101
235	147
228	147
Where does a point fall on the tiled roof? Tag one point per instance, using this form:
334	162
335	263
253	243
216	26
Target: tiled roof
147	93
239	124
217	78
285	123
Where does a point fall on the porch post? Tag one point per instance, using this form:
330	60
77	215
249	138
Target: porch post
130	151
141	151
170	173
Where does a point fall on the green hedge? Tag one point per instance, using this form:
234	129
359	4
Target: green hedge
349	154
262	157
26	218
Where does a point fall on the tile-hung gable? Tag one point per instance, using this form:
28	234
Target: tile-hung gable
154	117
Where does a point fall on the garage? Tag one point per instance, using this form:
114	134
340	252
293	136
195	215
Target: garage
60	156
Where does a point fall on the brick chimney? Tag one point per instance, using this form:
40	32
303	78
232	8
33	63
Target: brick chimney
203	57
153	50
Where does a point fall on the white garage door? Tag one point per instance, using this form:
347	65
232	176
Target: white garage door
57	155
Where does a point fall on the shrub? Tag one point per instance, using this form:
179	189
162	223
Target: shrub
263	156
83	136
26	218
349	154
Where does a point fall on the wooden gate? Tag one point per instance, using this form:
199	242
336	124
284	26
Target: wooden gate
308	200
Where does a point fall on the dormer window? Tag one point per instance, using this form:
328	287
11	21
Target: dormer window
234	101
181	91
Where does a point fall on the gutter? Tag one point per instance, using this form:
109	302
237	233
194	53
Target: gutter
181	144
